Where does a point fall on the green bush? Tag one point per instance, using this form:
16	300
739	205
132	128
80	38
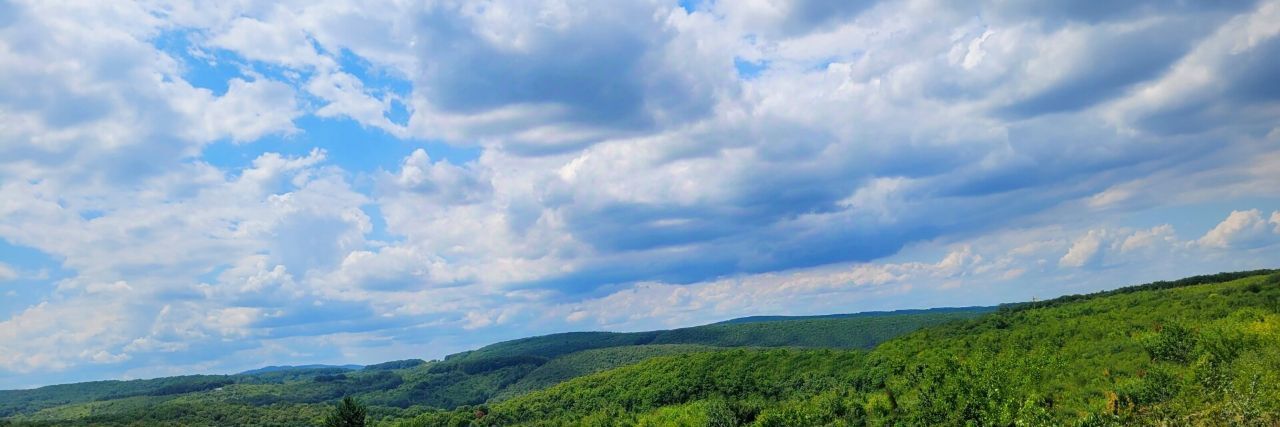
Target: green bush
1172	343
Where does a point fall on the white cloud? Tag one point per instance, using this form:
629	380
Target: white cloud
250	110
1118	246
957	260
51	337
280	216
390	269
100	104
1109	197
1147	238
347	96
1084	251
1241	229
279	41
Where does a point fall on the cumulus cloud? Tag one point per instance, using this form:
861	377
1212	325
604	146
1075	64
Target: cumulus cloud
500	67
100	103
450	183
391	268
1114	246
269	41
56	336
1241	229
300	215
250	110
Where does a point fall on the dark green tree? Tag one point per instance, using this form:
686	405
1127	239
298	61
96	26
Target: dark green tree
349	413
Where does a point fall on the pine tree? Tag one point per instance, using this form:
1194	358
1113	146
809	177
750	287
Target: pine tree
349	413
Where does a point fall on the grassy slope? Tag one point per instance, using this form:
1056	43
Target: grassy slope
1165	354
405	388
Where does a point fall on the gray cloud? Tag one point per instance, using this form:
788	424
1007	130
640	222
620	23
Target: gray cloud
1056	13
596	67
1112	63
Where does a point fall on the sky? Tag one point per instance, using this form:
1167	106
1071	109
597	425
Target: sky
210	187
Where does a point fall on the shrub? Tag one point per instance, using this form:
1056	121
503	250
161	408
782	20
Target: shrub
1173	343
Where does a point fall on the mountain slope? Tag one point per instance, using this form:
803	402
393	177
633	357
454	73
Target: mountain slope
1202	350
296	395
1171	353
940	310
19	401
856	330
588	362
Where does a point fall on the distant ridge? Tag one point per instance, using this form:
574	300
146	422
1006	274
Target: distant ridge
281	368
756	319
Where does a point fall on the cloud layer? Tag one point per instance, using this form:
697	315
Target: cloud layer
189	187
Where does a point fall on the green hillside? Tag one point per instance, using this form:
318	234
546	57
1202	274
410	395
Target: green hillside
588	362
752	319
1202	351
1198	351
398	389
22	401
839	331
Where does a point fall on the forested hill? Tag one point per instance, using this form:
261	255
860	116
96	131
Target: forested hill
267	369
857	330
754	319
300	395
1200	351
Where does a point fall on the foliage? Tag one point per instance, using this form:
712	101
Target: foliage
348	413
295	369
25	401
938	310
1185	353
845	331
395	364
588	362
1198	351
1171	343
406	388
644	390
1274	277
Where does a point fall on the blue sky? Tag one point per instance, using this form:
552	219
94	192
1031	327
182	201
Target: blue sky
209	188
